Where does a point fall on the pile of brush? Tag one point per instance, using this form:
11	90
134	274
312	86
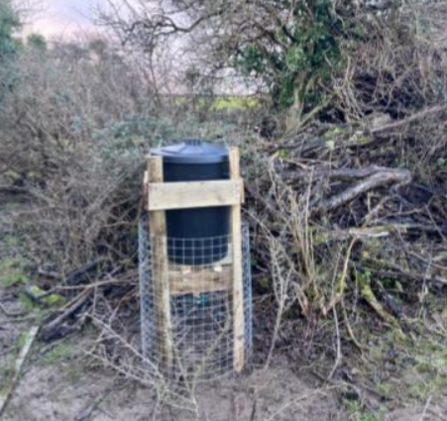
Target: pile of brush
351	216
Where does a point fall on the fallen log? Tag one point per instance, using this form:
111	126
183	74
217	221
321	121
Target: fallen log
411	276
429	112
379	179
84	273
54	328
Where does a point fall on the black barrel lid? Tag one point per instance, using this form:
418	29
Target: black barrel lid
193	151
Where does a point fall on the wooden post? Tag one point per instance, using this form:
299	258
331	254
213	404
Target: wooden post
238	293
157	228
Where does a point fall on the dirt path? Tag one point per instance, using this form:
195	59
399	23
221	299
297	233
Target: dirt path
60	383
51	394
63	387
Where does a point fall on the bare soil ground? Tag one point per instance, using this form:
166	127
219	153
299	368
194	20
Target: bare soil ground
60	382
63	399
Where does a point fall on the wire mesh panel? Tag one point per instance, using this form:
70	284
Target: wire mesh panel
193	337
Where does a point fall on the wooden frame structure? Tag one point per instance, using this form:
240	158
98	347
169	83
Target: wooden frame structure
163	196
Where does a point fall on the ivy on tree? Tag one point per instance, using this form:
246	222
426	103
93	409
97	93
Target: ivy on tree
298	56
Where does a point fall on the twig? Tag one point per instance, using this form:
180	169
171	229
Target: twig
48	274
339	354
87	413
437	414
426	407
30	338
351	334
93	286
9	314
341	284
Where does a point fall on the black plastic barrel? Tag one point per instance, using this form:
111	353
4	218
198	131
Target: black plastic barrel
196	236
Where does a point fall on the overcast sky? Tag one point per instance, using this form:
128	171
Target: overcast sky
63	17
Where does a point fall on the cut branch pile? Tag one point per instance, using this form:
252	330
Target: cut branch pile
356	212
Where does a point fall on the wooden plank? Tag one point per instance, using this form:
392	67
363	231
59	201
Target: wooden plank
197	194
238	293
199	281
157	227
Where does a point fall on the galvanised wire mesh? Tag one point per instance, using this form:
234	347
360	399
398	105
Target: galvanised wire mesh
201	324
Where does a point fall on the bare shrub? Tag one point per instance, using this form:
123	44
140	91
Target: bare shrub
75	128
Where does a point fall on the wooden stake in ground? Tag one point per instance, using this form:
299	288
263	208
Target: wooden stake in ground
24	352
238	293
157	224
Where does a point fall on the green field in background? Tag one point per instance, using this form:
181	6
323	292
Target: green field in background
220	103
235	103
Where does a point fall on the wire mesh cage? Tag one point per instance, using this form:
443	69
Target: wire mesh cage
197	324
